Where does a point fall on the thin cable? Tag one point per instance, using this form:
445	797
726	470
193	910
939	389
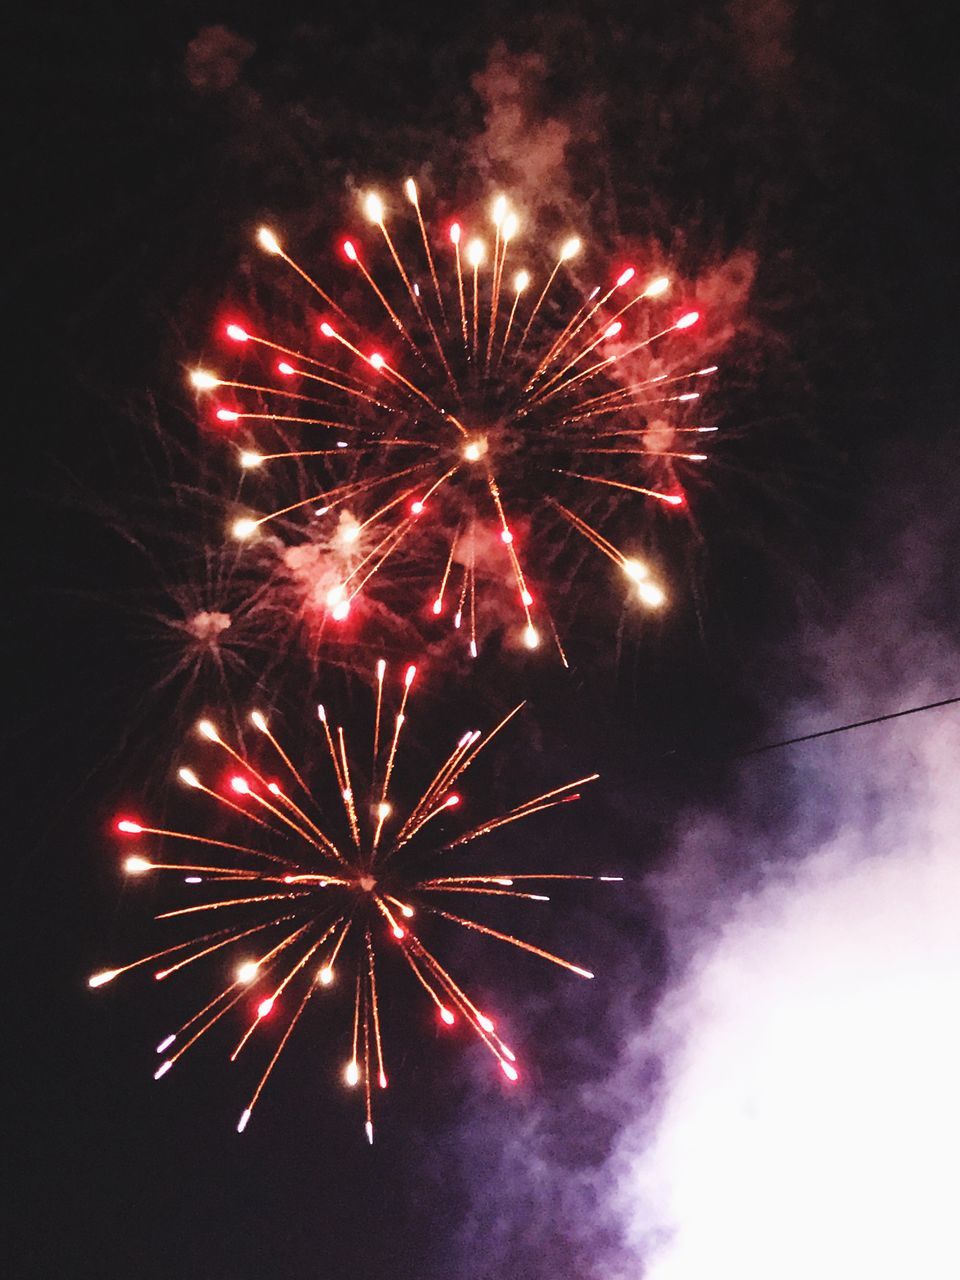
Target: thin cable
844	728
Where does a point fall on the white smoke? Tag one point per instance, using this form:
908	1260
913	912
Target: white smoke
793	1108
810	1122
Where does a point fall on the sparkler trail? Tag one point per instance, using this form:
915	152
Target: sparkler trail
482	426
308	894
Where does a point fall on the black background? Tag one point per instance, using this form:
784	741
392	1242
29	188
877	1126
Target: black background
820	138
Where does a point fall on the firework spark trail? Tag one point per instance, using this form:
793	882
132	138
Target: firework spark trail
520	282
410	187
375	212
569	250
258	721
487	412
335	892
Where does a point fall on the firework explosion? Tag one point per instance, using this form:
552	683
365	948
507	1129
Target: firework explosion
432	443
314	897
482	412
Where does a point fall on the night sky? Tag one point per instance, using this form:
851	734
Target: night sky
807	148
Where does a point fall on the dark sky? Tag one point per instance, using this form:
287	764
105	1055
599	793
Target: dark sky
818	141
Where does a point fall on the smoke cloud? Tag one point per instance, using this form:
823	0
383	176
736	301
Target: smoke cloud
524	144
808	1118
517	137
809	1121
215	59
790	1108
